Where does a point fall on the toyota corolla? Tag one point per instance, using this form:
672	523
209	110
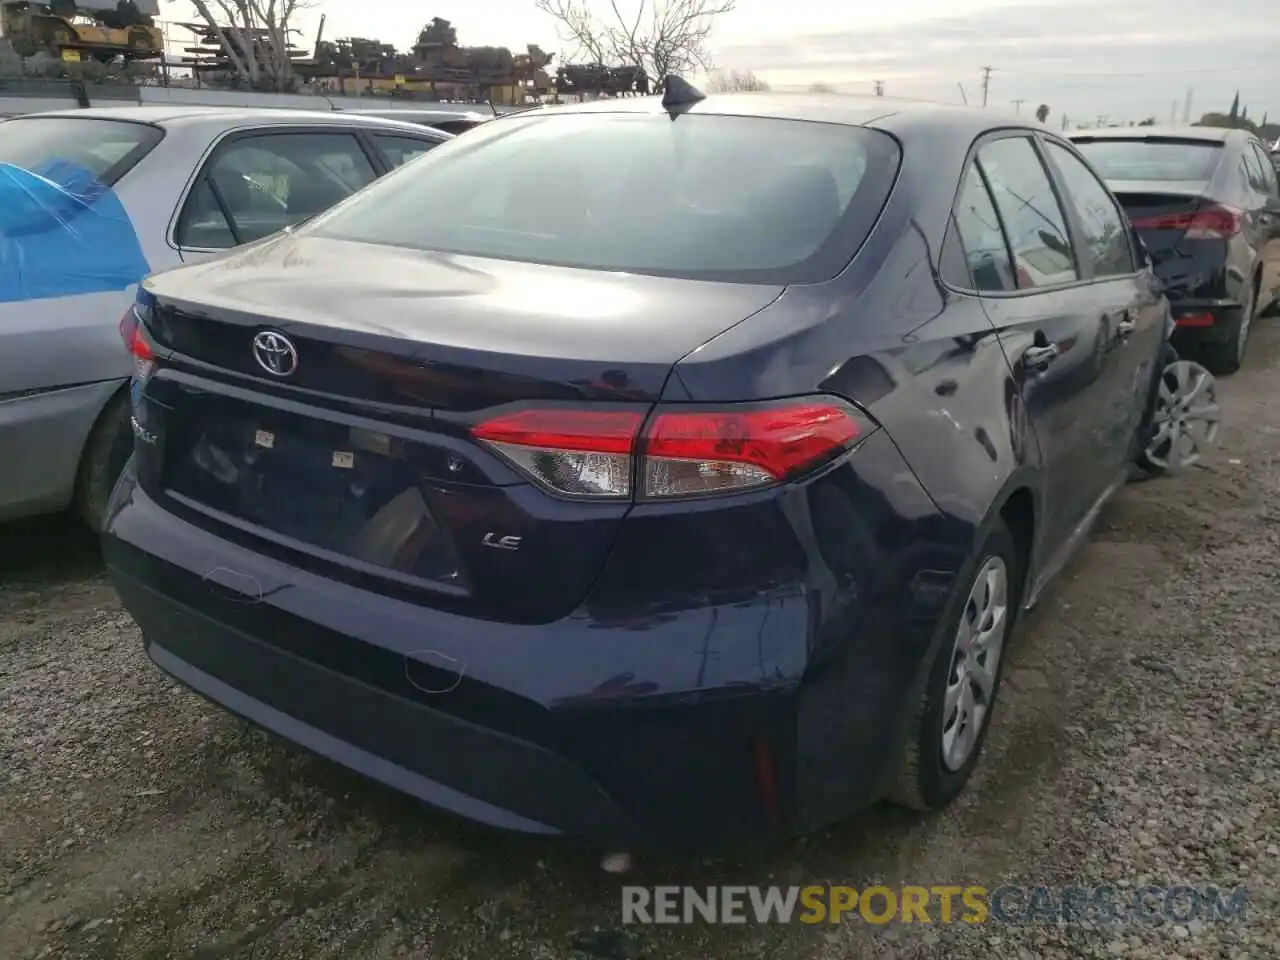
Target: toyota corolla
665	470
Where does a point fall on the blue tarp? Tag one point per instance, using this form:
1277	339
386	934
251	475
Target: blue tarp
63	234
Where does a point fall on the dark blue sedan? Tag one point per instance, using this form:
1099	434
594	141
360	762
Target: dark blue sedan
655	472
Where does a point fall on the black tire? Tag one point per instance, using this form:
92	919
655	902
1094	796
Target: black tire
1224	359
924	781
105	453
1168	356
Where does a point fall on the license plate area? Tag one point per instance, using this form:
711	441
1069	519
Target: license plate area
345	491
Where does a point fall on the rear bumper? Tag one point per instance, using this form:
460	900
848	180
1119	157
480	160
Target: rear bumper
572	728
392	740
1204	321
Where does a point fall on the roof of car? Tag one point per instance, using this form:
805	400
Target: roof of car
1208	134
395	112
884	112
165	116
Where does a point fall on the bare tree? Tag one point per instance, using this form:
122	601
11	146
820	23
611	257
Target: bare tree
821	88
254	34
662	36
1042	112
735	81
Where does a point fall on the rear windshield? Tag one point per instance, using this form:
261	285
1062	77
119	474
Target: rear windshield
700	196
1151	159
106	149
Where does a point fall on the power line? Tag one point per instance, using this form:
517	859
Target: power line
986	83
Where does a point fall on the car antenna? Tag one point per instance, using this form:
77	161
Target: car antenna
678	92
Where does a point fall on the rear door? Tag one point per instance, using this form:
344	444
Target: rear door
1051	325
1132	312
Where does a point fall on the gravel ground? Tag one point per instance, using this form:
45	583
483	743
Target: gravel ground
1136	744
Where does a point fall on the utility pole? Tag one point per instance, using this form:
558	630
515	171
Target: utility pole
963	96
879	88
986	83
1186	106
1064	123
1017	105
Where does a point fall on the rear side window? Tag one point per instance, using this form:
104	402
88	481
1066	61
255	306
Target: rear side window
1167	160
978	227
701	196
255	186
1029	210
106	149
1105	243
1270	185
400	150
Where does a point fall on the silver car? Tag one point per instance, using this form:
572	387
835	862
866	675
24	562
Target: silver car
93	200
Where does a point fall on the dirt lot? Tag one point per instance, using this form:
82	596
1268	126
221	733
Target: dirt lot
1137	742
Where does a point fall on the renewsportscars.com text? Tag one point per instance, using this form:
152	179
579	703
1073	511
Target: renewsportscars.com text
1008	904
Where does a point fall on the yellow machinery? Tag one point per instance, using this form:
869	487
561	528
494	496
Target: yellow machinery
88	30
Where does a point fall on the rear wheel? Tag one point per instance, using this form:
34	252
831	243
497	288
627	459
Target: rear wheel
1185	420
1224	359
951	721
105	454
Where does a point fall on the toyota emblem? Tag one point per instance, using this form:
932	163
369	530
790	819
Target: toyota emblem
275	353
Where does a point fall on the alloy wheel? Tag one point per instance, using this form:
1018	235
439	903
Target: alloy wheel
1186	417
975	662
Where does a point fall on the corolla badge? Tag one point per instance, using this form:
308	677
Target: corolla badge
275	353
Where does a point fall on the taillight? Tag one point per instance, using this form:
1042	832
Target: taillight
133	333
579	453
709	452
685	451
1208	223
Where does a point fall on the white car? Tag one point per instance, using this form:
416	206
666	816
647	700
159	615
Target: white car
93	200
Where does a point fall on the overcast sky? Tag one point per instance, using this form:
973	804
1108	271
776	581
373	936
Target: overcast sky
1128	59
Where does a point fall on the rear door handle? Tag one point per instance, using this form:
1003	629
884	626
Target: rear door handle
1038	358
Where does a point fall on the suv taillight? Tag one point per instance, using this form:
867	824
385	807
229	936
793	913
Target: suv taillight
684	451
1217	222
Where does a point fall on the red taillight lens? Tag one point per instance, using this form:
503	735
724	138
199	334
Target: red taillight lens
696	452
135	341
1207	223
686	451
1195	320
